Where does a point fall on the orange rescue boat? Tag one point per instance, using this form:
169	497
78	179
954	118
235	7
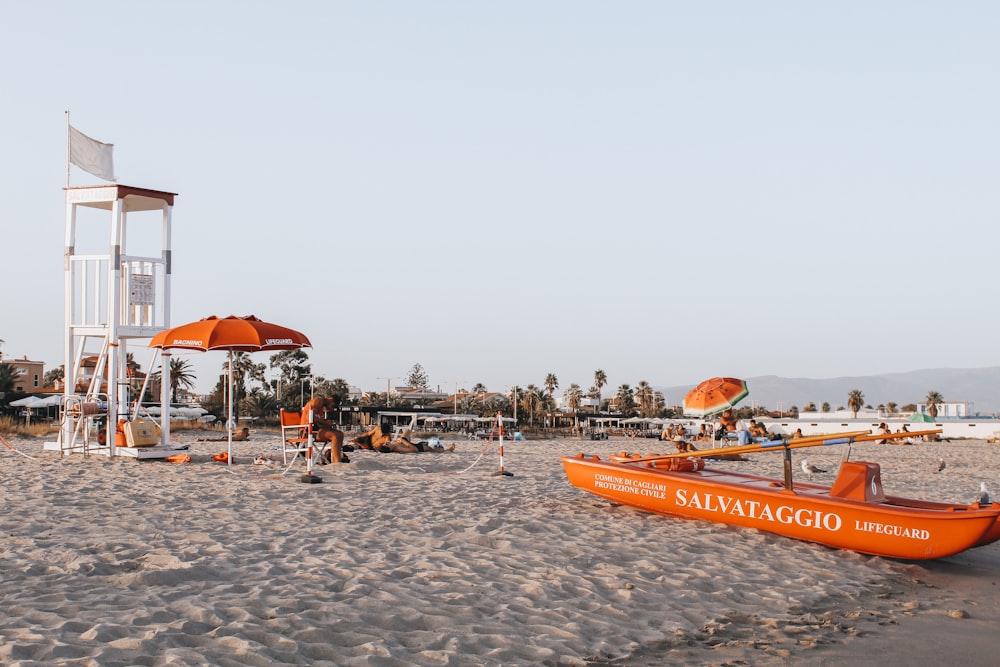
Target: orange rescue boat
854	513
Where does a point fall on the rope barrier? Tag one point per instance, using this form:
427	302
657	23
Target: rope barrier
14	449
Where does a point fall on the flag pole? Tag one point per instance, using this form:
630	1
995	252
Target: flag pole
68	149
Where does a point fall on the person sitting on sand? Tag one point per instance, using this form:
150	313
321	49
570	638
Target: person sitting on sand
323	429
703	435
757	429
404	445
883	429
743	435
240	436
796	435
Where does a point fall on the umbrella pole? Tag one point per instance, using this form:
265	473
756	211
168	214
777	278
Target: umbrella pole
229	422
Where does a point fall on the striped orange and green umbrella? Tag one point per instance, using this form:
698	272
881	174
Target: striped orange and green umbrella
714	395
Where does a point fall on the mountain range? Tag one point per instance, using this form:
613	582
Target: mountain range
978	386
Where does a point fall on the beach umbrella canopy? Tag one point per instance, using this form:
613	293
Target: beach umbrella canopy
233	334
920	417
29	402
714	395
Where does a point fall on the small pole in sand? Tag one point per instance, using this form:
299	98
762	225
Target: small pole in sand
309	478
500	431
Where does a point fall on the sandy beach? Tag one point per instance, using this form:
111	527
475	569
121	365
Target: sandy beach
431	559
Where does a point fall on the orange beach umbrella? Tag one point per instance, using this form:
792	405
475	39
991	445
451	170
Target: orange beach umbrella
714	395
234	334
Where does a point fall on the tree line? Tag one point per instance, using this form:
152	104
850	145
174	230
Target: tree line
257	396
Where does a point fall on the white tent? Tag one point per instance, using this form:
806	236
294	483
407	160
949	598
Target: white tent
29	402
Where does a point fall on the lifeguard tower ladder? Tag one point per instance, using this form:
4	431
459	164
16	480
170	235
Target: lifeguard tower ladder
112	298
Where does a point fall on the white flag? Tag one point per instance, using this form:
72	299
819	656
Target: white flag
91	155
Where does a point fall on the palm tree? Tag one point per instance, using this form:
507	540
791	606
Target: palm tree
626	400
644	397
595	394
891	406
933	400
181	376
810	407
855	400
513	399
7	378
530	400
551	383
659	404
480	388
573	397
600	379
260	404
243	369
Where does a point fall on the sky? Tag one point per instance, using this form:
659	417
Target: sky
667	191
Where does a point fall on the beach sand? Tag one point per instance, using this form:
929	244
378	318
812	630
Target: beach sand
431	559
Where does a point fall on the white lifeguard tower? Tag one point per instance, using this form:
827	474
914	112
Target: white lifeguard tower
112	299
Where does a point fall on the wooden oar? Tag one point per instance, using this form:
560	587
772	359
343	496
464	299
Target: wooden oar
748	448
784	443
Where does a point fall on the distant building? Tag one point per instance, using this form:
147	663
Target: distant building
418	395
488	400
863	413
586	404
957	409
27	374
953	410
88	366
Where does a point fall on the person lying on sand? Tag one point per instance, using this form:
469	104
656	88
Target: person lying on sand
239	436
403	445
323	428
373	439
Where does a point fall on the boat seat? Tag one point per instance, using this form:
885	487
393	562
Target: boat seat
859	480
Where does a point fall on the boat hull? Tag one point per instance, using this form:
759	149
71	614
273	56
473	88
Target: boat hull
868	523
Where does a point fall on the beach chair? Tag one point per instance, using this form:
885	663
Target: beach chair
295	435
297	438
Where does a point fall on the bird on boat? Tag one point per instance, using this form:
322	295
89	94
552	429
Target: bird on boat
941	465
983	497
809	468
